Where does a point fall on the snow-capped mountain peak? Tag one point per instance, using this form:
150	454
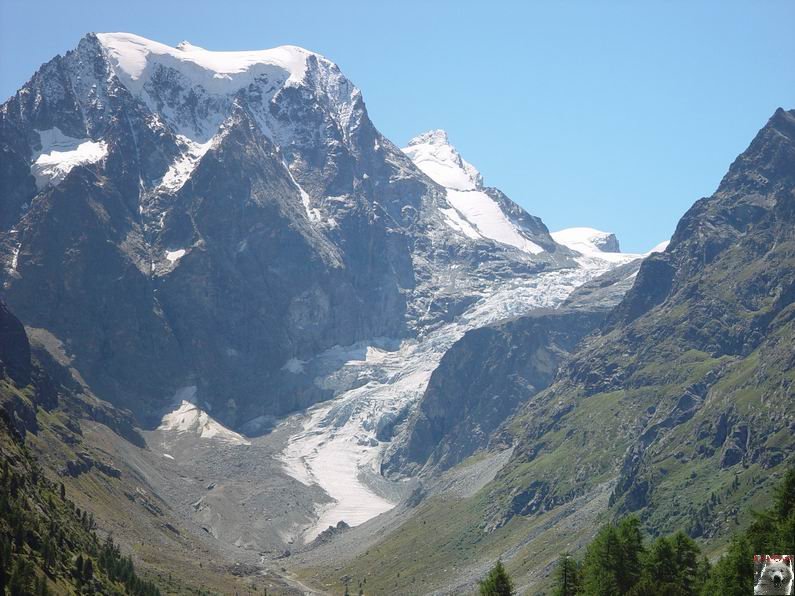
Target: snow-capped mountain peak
193	90
438	159
473	212
135	59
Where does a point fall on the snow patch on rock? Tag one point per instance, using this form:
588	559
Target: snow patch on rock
188	418
183	166
175	255
60	153
313	214
294	366
15	258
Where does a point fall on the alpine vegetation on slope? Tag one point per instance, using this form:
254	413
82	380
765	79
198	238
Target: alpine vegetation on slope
676	375
47	544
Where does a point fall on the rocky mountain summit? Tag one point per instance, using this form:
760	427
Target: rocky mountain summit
194	218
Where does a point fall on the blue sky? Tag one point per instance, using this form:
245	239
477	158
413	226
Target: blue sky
616	115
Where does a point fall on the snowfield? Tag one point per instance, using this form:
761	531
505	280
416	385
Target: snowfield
591	244
485	215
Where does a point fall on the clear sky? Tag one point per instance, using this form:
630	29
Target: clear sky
615	115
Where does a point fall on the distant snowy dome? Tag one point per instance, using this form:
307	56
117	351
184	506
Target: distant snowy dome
587	240
438	159
133	58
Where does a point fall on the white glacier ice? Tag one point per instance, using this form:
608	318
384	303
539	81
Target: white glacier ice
337	447
60	153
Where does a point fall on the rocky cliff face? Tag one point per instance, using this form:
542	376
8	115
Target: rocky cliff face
179	217
689	381
480	382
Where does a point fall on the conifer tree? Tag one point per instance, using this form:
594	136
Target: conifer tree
632	551
78	571
497	582
5	562
21	581
567	576
689	570
601	567
733	575
662	562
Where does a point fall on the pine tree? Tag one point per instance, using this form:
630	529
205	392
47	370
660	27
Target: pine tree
21	581
733	575
686	559
78	570
497	582
567	576
5	562
602	564
632	552
41	586
784	497
662	562
48	553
